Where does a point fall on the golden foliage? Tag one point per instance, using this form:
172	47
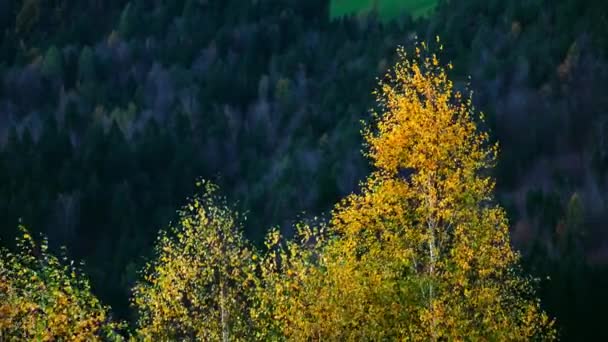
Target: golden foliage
199	287
43	299
288	279
422	256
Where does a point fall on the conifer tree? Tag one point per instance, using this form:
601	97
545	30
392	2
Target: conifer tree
52	65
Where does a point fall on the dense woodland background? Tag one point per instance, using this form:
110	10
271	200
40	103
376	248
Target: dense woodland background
110	110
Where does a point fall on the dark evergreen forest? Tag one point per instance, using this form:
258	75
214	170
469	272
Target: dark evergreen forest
111	110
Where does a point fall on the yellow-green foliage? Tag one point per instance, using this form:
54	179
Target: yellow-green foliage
287	281
200	285
43	299
423	252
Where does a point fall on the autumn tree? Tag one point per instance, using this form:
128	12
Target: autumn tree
43	298
423	251
289	276
199	287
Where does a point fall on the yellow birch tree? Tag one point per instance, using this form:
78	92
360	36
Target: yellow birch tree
43	298
423	251
199	287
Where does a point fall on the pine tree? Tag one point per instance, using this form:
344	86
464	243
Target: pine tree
125	25
86	66
52	65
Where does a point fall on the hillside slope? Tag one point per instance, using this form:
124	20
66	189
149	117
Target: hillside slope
109	111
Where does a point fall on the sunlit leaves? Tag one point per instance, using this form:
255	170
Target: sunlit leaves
200	286
422	252
43	298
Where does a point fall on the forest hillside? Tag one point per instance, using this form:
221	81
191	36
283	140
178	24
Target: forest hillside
111	110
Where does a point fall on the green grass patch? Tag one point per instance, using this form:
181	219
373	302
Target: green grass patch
387	9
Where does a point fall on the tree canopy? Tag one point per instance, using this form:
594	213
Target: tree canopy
424	256
421	252
199	287
44	298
